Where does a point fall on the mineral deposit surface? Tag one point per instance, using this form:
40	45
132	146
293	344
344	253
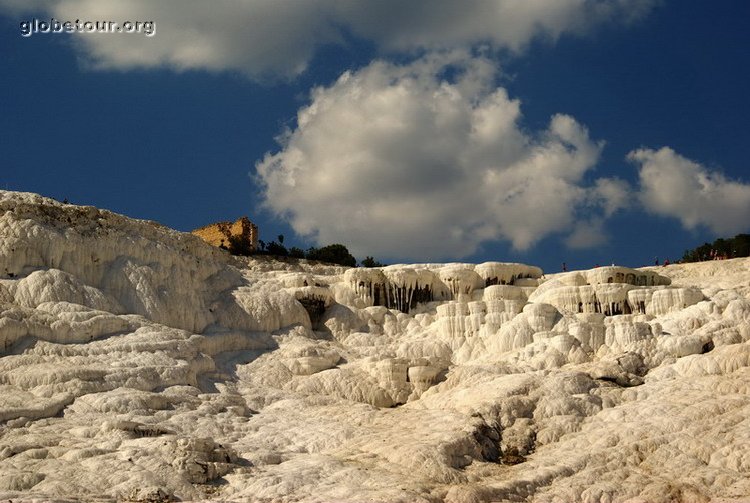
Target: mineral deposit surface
139	363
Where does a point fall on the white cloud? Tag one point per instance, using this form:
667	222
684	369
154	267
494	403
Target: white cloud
259	38
397	162
440	24
673	186
587	234
262	38
606	197
612	194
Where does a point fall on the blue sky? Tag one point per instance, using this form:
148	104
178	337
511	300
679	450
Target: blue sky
578	131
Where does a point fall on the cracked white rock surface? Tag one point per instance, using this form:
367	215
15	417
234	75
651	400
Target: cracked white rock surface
138	363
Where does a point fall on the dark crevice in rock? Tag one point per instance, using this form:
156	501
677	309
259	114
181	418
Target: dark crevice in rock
512	456
315	308
488	438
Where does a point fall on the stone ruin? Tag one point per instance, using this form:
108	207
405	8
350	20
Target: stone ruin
221	234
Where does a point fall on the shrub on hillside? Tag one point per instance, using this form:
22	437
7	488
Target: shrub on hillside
371	262
274	248
738	246
334	254
295	252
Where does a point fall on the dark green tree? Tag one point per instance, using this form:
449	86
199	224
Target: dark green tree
274	248
296	252
334	254
371	262
738	246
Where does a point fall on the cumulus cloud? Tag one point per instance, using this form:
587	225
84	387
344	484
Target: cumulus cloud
262	39
612	194
404	161
587	234
440	24
259	38
673	186
606	197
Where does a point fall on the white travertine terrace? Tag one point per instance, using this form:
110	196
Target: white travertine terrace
502	273
138	363
403	287
616	274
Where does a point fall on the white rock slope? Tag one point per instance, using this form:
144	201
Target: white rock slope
138	363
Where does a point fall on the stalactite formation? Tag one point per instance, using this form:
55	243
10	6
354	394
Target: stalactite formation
403	288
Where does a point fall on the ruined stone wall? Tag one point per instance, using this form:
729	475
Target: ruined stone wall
220	233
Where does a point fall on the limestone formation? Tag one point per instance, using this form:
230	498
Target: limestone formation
139	363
